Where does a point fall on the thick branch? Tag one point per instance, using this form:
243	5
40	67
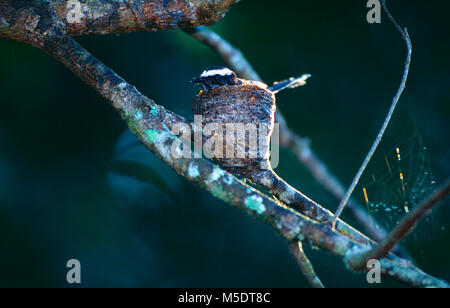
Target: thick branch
20	18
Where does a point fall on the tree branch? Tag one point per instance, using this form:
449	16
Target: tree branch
18	19
305	265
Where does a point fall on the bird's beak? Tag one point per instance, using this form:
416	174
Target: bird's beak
196	80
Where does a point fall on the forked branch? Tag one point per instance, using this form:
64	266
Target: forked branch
305	265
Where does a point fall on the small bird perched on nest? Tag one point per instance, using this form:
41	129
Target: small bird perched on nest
239	115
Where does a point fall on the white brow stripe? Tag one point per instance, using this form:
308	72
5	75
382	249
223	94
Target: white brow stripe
221	72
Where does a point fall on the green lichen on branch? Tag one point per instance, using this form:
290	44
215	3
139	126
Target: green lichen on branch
151	135
255	203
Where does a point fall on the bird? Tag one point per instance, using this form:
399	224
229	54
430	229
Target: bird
238	118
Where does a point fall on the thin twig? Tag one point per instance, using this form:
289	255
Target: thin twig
305	265
406	225
406	38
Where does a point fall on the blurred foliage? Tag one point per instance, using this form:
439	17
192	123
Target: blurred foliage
60	144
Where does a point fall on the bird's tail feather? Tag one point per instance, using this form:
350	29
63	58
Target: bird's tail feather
289	83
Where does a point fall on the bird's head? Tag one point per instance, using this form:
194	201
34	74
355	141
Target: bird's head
215	77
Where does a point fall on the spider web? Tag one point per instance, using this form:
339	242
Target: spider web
402	178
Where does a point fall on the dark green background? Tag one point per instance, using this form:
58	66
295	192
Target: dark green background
59	198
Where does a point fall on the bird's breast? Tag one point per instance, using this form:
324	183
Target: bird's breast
236	104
